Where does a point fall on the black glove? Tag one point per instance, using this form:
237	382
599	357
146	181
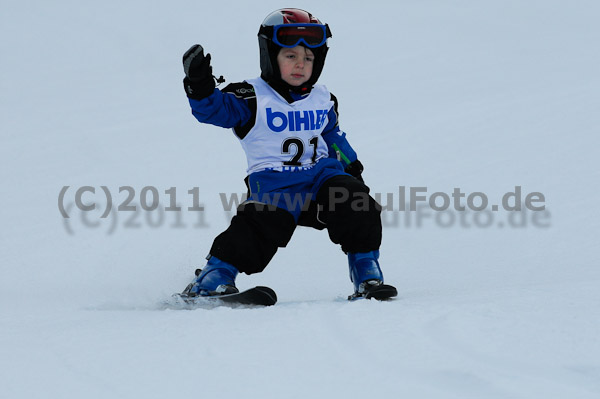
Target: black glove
355	169
198	82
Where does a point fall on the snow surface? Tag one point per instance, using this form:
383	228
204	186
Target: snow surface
479	95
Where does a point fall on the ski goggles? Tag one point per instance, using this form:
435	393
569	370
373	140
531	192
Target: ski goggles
292	35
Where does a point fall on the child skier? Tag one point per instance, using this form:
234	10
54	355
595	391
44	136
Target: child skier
301	169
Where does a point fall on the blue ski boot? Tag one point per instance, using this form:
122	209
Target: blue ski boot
217	278
366	275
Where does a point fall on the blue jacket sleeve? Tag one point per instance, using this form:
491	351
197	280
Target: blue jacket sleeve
221	109
338	145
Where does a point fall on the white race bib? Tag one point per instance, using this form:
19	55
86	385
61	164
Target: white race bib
287	136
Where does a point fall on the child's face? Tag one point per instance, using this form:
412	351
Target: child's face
295	64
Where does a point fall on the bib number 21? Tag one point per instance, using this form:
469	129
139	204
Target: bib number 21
295	146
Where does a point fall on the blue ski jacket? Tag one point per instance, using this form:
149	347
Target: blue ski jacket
235	107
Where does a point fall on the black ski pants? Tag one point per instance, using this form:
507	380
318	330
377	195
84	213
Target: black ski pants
343	206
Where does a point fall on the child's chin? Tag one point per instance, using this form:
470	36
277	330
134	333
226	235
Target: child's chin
296	83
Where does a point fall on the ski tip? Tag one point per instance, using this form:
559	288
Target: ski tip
268	294
382	293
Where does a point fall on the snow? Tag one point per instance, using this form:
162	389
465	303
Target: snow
479	95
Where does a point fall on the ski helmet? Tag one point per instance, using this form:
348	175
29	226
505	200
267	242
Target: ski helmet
290	27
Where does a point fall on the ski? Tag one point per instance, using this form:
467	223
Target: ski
381	292
254	297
